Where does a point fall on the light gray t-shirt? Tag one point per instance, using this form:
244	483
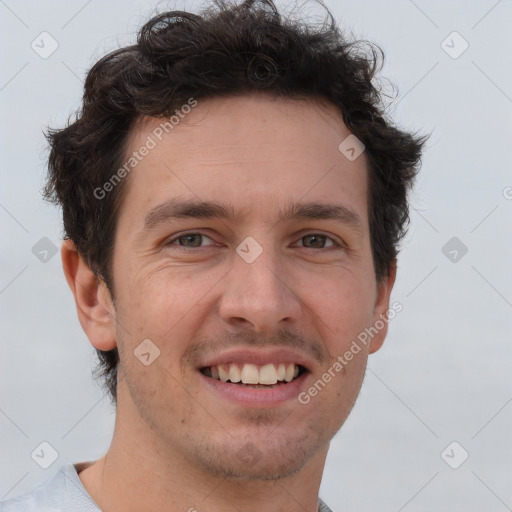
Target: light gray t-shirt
64	492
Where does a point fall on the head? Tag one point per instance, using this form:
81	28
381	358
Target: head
217	136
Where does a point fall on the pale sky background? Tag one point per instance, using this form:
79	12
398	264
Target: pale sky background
444	373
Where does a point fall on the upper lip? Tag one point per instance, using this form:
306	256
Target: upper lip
258	357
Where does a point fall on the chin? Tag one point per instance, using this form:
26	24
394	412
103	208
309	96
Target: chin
256	458
264	469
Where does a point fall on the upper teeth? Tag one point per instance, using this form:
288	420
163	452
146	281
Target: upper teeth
252	374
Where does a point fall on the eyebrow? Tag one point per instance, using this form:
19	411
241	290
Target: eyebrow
181	209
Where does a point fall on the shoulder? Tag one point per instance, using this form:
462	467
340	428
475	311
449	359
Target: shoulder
322	507
34	501
25	502
62	492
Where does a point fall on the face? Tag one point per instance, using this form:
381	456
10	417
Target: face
269	277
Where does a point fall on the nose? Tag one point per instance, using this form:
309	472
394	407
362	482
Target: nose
259	295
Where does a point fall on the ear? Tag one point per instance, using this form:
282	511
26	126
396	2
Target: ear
380	320
93	301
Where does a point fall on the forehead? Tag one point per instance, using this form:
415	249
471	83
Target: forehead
233	122
249	150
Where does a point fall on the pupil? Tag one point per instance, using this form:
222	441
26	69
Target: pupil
189	237
315	237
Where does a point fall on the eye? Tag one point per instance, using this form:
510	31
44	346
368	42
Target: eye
318	241
194	240
189	240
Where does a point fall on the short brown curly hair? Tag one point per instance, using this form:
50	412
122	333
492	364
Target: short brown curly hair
227	49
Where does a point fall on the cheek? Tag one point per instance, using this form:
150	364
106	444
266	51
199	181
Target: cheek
165	299
168	307
342	303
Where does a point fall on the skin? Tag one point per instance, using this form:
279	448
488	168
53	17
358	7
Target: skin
176	443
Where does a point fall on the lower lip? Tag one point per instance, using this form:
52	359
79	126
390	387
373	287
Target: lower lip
257	396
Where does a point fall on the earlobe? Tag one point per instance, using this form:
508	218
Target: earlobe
380	317
94	305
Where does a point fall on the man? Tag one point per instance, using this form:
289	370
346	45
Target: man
233	199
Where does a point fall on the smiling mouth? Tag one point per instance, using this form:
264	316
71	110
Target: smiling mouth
255	376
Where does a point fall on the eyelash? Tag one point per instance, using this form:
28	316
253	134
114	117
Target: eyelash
335	245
